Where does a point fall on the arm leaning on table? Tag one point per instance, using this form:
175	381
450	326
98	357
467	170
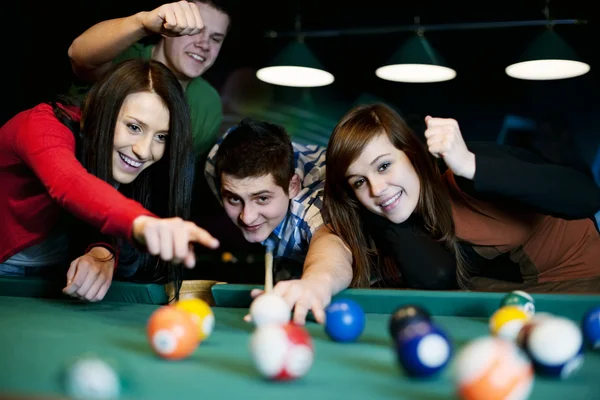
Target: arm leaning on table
327	271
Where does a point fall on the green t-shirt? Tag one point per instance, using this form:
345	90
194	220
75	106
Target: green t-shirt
204	101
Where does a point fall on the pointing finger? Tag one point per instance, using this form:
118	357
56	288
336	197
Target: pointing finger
202	237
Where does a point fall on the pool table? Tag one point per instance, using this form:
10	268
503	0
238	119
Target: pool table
41	334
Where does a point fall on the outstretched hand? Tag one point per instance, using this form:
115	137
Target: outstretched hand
302	295
172	238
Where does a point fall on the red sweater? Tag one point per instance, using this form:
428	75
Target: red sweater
40	176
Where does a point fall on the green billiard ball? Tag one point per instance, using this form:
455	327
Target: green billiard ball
520	299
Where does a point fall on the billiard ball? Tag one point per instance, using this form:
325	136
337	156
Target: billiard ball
523	334
489	367
590	326
422	348
507	321
344	320
404	315
555	345
282	352
270	308
201	313
172	333
521	299
92	378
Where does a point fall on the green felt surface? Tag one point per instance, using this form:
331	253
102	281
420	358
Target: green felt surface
39	337
125	292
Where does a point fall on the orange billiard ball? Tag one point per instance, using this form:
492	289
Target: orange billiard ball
172	333
491	368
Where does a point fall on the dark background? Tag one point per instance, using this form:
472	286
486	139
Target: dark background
482	97
37	37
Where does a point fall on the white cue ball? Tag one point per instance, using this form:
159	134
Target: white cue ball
270	308
92	378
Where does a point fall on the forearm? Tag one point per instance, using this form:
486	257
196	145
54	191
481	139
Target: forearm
551	189
520	175
329	261
83	238
49	151
100	44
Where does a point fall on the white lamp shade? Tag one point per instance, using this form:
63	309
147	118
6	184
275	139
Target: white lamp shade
542	70
295	76
415	73
416	61
547	57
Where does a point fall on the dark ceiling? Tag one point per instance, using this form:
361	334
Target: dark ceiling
363	53
481	87
39	36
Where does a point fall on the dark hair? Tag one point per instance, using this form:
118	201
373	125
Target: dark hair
165	187
342	209
254	149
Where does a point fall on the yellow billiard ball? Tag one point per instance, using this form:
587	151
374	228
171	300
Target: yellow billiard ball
507	321
202	315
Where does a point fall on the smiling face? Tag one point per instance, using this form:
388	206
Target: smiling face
384	180
257	205
190	56
140	135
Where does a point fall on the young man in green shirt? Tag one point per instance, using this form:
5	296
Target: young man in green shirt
191	36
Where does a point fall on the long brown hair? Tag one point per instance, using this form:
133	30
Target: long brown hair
342	209
166	187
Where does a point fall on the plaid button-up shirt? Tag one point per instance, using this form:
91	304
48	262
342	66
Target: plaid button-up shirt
293	235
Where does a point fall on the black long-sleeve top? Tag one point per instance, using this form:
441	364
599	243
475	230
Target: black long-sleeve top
512	177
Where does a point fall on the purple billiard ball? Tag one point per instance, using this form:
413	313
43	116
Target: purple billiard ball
405	315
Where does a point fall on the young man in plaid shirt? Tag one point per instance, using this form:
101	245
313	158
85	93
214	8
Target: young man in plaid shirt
272	190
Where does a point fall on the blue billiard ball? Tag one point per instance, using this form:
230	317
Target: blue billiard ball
591	327
344	320
423	348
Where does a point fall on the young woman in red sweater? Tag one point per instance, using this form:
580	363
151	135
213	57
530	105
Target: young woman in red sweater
120	166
